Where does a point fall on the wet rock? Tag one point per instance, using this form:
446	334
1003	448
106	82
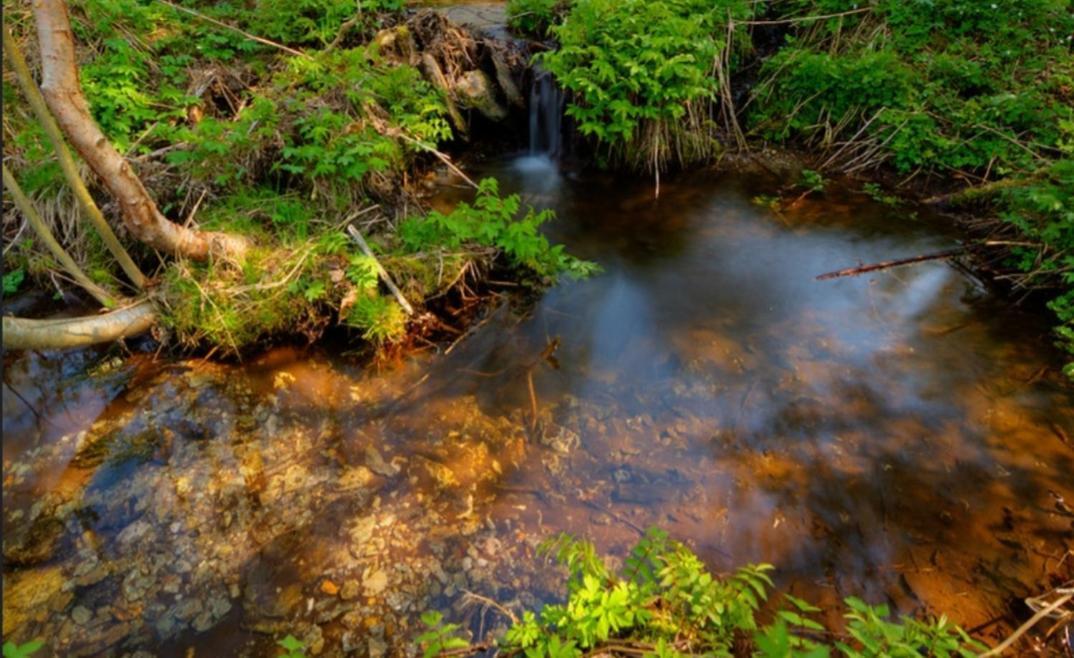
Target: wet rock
314	640
134	532
378	648
357	477
188	609
26	593
375	583
101	638
444	476
81	615
35	544
136	584
203	622
351	642
352	620
477	91
350	590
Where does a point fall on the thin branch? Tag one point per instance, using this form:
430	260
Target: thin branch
252	37
67	163
1024	628
45	234
803	19
862	269
384	276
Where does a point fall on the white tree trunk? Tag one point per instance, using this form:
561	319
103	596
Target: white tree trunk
62	91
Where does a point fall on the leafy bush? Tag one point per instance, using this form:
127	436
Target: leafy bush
313	22
492	221
640	74
1043	215
329	121
663	602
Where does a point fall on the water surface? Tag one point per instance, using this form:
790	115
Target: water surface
900	436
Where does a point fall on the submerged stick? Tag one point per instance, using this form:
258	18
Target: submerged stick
883	265
1041	614
384	276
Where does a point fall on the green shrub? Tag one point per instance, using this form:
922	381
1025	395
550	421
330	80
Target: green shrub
640	75
663	602
1043	215
312	22
492	221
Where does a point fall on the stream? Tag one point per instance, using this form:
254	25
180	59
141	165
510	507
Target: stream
902	436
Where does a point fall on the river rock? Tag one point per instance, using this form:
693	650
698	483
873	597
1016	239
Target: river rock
350	590
375	583
26	593
81	615
477	91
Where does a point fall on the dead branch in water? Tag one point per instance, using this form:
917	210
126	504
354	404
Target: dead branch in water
883	265
1053	610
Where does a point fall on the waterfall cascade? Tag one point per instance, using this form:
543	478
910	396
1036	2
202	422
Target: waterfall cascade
546	116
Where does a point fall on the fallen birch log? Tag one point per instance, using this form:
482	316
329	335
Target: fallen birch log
66	333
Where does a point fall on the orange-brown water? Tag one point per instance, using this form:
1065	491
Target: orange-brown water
900	436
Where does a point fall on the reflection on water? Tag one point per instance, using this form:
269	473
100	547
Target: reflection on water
897	436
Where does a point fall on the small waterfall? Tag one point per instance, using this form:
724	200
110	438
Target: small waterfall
546	115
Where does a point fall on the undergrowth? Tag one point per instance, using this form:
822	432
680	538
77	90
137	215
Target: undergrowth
535	18
302	284
284	149
956	88
942	91
664	603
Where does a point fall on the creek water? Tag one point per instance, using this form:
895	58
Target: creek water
901	436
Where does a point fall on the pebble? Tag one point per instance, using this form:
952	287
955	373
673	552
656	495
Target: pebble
350	591
329	588
81	615
376	583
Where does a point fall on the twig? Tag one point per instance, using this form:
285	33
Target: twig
802	19
194	211
883	265
384	276
44	234
472	597
252	37
443	158
533	400
1024	628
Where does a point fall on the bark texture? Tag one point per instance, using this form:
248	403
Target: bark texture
63	92
63	333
